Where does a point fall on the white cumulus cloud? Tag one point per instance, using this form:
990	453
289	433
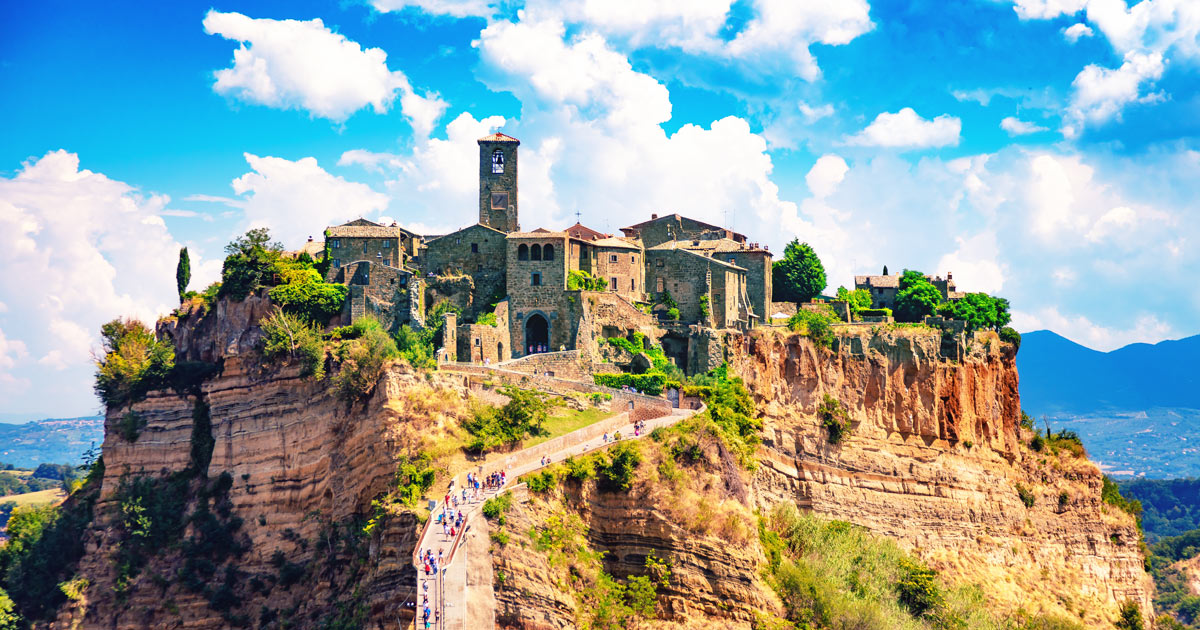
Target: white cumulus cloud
1075	31
1017	127
1101	93
452	8
293	64
906	129
78	249
298	199
826	174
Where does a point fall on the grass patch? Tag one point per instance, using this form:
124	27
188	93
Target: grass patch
565	421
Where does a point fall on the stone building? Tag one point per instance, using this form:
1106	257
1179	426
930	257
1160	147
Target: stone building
673	227
361	239
883	289
466	267
532	280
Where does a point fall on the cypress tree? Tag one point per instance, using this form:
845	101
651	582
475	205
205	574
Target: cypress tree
183	272
885	270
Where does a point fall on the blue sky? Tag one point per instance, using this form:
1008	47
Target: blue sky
1043	150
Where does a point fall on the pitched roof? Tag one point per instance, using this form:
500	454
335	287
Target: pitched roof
676	246
537	234
365	231
498	137
432	238
585	233
611	242
879	282
679	217
719	245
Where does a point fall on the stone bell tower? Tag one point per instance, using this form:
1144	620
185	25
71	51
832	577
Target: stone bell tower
498	182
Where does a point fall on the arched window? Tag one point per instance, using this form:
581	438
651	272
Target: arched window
535	253
523	252
548	252
497	161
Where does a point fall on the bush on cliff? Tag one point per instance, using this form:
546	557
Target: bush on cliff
249	264
1009	334
523	415
290	337
650	383
310	297
917	298
416	347
979	310
362	360
134	362
816	325
834	418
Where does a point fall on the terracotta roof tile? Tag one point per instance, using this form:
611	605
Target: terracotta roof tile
498	137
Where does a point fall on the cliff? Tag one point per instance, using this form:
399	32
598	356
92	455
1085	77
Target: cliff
936	461
273	477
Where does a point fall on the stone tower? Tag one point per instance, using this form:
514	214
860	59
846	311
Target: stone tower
498	182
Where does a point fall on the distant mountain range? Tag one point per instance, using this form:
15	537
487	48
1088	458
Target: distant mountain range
1061	376
59	441
1137	408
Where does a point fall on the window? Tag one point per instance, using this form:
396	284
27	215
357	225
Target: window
337	243
632	284
548	252
477	342
523	252
613	284
535	279
535	252
612	258
474	248
497	162
458	241
387	244
365	246
633	258
337	263
658	263
731	262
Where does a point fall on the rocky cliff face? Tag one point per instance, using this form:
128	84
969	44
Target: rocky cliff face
935	460
302	468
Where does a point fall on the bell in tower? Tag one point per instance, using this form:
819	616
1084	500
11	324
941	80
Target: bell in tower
498	182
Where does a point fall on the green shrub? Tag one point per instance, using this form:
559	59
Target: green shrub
362	361
496	506
134	362
487	319
979	310
918	589
500	537
289	336
523	415
650	383
834	418
578	280
875	312
1027	496
731	416
816	325
249	264
673	313
1111	494
414	477
1130	617
311	298
1009	334
615	468
543	481
416	347
580	469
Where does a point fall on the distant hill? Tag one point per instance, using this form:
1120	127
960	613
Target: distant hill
56	440
1137	408
1059	375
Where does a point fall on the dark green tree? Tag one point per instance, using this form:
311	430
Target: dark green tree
885	270
917	297
183	272
980	310
799	276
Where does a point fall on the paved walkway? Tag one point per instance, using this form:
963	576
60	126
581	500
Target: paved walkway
445	596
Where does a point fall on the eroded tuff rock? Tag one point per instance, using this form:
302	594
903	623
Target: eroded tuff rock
934	461
299	458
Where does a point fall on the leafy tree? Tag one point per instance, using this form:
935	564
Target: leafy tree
288	336
979	310
363	359
416	347
1130	617
799	276
249	263
858	299
134	362
917	297
183	272
9	619
311	299
524	414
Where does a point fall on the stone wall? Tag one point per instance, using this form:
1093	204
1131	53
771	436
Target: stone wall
546	299
688	276
477	251
757	263
566	364
478	343
623	268
344	250
381	291
674	227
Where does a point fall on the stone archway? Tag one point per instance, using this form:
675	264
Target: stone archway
537	332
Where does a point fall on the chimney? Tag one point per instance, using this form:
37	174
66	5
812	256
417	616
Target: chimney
310	239
949	275
653	216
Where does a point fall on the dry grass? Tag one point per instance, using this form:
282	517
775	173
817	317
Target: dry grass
42	497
